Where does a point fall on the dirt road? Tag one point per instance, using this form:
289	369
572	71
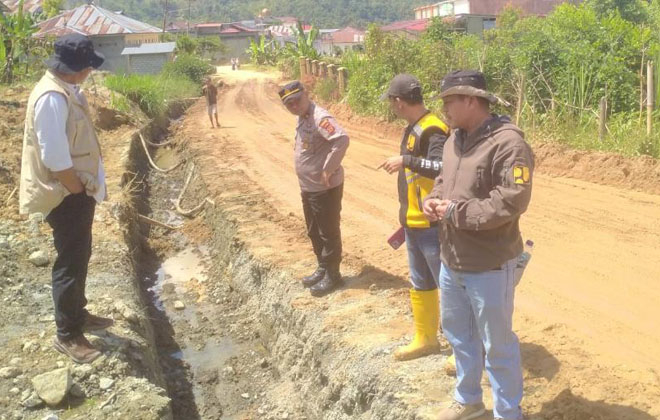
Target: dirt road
589	305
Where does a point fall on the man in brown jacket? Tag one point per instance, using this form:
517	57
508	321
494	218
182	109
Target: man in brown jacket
484	187
62	178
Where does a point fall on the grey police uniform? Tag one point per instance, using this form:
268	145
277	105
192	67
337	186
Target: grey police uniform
321	144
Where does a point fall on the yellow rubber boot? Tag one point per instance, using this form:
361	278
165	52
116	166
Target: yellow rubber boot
426	315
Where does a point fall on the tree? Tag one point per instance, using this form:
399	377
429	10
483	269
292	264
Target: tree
210	45
186	44
631	10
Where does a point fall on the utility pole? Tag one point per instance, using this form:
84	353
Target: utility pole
165	17
189	2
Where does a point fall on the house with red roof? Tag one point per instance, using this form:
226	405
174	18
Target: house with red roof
235	36
407	28
341	40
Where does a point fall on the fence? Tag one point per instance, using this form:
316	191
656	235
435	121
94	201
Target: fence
323	70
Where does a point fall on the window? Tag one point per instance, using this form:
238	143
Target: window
446	9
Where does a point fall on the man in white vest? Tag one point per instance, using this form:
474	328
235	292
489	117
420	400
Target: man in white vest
62	178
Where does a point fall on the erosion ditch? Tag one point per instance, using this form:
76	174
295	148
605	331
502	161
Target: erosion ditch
230	341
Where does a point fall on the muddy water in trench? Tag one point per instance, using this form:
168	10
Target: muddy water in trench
209	347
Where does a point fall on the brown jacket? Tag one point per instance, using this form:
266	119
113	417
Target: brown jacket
488	175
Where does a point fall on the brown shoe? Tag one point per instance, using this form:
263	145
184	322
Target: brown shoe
78	349
458	411
95	323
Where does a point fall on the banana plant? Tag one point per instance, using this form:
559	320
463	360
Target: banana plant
306	41
263	52
16	32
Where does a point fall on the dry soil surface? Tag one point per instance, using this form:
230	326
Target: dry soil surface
587	309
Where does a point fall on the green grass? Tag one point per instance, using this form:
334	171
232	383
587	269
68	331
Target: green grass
326	89
152	93
626	135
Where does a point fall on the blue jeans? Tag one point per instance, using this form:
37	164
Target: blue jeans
423	257
477	312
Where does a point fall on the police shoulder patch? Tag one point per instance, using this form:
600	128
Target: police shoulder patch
521	175
327	125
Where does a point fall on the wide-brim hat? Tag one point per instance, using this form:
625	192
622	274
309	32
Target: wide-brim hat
73	54
468	83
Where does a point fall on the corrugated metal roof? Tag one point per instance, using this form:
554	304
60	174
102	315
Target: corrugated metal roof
32	6
92	20
157	48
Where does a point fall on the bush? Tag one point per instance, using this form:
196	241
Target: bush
326	89
568	60
152	93
289	66
190	67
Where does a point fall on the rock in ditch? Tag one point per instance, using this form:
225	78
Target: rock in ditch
126	312
39	258
106	383
32	401
53	386
82	371
178	305
9	372
77	391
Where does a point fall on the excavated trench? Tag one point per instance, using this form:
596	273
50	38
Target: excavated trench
209	348
230	343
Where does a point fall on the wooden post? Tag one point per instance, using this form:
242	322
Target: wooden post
332	71
650	100
342	79
324	69
315	67
308	66
602	119
303	66
521	98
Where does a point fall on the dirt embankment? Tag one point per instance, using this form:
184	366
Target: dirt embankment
126	382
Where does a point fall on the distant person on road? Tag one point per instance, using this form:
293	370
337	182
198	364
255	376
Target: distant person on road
484	188
238	64
62	178
211	93
320	146
233	63
417	165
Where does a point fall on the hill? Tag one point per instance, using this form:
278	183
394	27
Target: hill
323	13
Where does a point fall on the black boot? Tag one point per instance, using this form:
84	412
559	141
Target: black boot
314	278
331	281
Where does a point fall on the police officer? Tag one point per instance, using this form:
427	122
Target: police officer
418	164
320	146
62	178
484	188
